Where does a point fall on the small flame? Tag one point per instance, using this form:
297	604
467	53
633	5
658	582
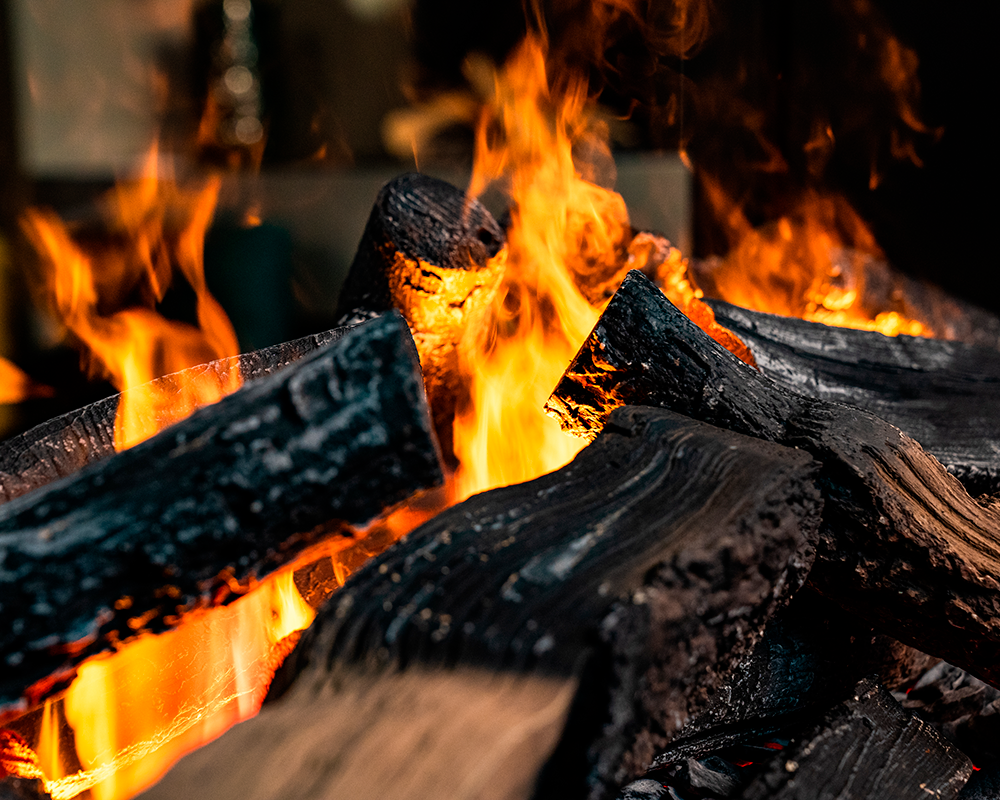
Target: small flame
809	264
16	386
163	225
135	712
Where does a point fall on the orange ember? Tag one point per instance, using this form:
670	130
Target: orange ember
107	300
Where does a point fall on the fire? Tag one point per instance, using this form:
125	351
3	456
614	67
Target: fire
135	712
809	264
16	386
566	232
107	300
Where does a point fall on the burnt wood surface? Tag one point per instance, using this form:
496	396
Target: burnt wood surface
429	251
946	395
67	443
903	543
809	659
539	640
339	435
867	748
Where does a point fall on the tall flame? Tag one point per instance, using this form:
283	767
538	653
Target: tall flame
164	226
566	232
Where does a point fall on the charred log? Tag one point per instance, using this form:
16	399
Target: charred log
431	252
943	394
63	445
867	748
538	640
903	544
339	435
810	658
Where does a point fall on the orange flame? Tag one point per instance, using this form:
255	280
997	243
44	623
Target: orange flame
164	226
808	264
135	712
15	386
567	237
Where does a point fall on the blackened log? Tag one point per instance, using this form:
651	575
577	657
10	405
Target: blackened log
537	640
962	708
339	435
946	395
867	748
67	443
434	253
903	543
810	658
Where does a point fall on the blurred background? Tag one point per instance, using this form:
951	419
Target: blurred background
306	107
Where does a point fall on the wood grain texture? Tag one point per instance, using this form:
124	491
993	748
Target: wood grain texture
903	543
340	435
620	589
946	395
67	443
867	748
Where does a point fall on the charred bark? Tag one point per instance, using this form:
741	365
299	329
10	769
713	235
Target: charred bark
538	640
431	252
63	445
903	544
867	748
340	435
946	395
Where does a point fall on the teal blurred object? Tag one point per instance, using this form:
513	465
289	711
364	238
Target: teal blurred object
249	271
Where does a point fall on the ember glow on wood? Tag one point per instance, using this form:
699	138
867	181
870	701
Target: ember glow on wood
903	544
590	611
339	435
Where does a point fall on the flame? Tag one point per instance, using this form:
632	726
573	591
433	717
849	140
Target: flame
16	386
163	226
809	264
135	712
567	237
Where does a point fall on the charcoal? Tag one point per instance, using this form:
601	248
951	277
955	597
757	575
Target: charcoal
902	545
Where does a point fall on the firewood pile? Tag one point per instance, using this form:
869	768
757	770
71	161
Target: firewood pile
770	582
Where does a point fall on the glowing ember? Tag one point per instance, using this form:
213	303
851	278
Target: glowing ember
164	225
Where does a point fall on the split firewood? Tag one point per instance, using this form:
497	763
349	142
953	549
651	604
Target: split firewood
539	640
436	255
339	435
946	395
867	748
903	545
67	443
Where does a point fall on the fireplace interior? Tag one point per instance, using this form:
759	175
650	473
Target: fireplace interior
560	400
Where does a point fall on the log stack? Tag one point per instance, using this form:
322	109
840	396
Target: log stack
726	594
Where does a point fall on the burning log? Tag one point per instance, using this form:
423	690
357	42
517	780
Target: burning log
943	394
430	251
62	446
903	545
339	435
867	747
545	637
